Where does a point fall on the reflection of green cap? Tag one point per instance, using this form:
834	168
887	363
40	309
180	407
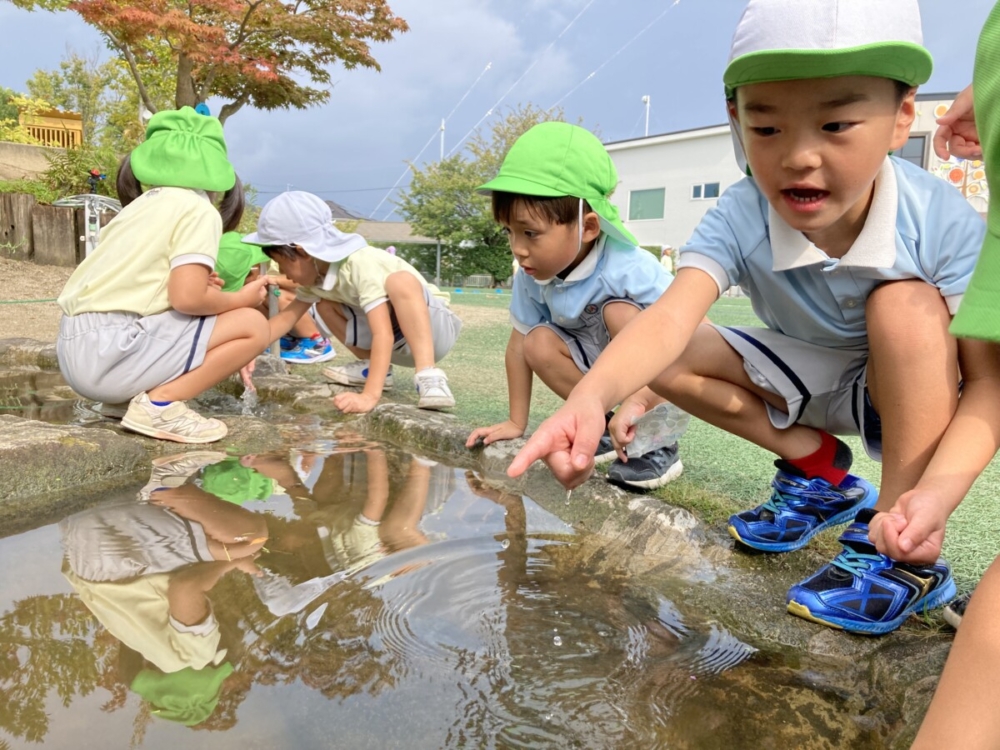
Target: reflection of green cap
188	697
236	259
979	315
183	149
782	40
231	481
556	159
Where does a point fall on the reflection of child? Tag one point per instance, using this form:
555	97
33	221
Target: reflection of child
143	318
375	303
235	483
855	262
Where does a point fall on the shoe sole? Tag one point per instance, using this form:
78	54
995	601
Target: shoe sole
952	617
670	475
339	379
837	520
161	435
935	599
603	457
435	403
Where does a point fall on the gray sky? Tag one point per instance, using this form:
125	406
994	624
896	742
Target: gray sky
354	148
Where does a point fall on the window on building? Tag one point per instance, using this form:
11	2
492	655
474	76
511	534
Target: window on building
646	204
913	150
705	190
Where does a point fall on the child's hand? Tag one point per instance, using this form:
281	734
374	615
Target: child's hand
254	292
957	134
913	529
246	374
214	280
566	441
622	425
503	431
355	403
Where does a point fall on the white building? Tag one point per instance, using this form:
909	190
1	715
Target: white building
668	182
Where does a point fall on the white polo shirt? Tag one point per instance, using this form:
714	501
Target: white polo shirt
918	227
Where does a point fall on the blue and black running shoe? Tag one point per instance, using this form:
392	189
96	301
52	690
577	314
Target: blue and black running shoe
863	591
799	509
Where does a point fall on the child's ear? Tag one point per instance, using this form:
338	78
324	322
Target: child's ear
591	226
905	116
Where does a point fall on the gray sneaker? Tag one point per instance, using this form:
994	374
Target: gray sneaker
432	385
174	422
649	471
955	611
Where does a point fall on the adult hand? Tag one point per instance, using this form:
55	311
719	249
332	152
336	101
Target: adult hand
566	442
957	134
355	403
913	529
502	431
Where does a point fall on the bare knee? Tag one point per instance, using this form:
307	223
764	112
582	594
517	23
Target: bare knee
617	315
542	346
908	321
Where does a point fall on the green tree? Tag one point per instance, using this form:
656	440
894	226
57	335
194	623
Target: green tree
8	110
442	202
77	86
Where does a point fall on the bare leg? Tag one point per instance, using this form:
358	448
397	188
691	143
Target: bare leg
401	525
238	336
709	382
406	295
225	523
912	379
964	712
334	318
548	357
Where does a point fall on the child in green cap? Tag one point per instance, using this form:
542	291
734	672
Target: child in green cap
144	320
855	262
963	711
582	278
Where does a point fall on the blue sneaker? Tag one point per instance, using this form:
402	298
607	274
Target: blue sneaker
863	591
301	354
799	509
289	342
322	350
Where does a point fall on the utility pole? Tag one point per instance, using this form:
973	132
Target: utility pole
437	262
645	100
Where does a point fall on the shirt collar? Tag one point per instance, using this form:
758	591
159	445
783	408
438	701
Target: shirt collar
331	277
875	246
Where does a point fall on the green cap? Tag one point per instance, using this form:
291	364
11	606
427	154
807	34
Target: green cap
555	160
978	316
236	259
235	483
183	149
188	697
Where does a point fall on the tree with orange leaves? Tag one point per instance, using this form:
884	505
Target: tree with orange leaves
252	52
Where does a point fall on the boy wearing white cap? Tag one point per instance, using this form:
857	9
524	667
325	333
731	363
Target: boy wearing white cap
855	262
375	303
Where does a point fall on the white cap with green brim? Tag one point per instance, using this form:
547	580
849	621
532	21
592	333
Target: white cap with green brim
782	40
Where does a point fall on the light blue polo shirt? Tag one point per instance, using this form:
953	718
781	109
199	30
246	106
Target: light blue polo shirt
612	270
918	227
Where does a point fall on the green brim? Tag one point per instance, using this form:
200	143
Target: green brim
899	61
610	223
979	314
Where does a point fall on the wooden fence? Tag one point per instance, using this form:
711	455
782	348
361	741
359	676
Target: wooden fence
49	235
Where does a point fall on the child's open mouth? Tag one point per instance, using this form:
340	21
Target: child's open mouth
805	199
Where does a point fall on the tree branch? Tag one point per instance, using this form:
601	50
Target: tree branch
231	108
134	70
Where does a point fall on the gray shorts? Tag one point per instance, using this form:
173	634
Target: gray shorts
445	327
115	356
822	388
586	343
121	542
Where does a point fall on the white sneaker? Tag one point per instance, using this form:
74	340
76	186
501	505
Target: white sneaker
174	422
354	373
174	471
432	385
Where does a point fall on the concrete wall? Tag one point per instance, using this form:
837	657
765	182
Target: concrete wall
18	160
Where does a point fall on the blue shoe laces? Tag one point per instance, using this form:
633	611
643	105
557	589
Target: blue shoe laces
856	563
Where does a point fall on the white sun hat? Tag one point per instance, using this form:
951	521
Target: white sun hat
781	40
304	219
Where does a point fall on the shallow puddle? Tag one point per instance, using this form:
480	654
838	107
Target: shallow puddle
343	593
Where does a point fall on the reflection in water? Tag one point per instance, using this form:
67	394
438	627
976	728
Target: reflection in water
415	599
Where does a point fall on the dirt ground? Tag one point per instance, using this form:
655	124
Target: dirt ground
21	281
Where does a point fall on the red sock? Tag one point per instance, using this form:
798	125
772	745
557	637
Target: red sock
831	462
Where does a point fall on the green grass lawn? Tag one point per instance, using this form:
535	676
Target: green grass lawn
723	473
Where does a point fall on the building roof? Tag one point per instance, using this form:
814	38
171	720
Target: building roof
339	212
384	232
